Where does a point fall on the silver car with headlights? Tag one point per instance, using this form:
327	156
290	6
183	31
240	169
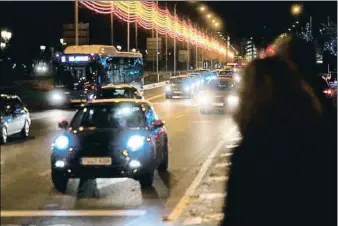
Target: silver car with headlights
219	95
182	86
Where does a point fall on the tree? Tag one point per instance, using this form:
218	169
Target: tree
329	36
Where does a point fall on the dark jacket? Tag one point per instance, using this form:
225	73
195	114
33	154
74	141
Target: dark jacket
283	173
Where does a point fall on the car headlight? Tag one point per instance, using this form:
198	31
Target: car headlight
233	100
168	88
205	99
135	142
62	142
187	88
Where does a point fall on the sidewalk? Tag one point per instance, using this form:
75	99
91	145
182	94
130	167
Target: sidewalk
205	207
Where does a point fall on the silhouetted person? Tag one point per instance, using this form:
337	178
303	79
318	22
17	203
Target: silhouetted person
302	55
276	172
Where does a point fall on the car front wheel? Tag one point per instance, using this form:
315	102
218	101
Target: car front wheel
163	167
25	130
4	135
146	180
60	180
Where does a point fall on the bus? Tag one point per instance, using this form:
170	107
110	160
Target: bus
83	69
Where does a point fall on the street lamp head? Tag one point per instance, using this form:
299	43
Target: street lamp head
2	45
202	8
42	48
213	21
289	29
297	22
296	9
61	40
6	35
209	16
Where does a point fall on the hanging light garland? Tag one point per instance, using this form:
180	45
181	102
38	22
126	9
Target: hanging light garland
148	15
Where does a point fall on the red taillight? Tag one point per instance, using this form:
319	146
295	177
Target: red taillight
328	92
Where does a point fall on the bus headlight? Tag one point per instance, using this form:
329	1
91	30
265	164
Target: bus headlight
56	97
187	89
233	100
135	142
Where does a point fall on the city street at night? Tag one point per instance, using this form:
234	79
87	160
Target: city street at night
194	139
168	113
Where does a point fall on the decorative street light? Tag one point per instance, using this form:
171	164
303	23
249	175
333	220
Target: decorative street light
42	48
296	9
6	35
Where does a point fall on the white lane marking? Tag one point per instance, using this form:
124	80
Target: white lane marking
155	97
101	183
226	154
181	205
222	165
180	116
45	173
211	196
71	213
217	178
235	139
230	146
203	219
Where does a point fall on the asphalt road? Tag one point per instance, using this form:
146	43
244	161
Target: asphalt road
28	196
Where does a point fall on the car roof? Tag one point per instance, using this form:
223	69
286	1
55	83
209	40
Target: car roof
118	86
180	76
9	96
119	100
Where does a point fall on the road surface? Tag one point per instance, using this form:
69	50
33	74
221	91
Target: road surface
198	147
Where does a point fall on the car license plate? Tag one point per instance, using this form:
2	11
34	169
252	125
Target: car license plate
218	104
96	161
178	92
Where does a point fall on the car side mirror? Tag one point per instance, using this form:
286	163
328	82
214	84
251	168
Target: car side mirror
63	124
157	123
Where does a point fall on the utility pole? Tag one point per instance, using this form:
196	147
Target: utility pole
175	43
158	76
188	50
76	22
166	45
112	23
136	34
128	33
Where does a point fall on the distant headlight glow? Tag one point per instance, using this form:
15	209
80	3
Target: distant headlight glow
135	142
205	99
62	142
233	100
168	88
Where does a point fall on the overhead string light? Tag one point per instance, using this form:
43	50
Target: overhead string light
148	15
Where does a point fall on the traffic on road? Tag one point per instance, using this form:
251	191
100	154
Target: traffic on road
158	113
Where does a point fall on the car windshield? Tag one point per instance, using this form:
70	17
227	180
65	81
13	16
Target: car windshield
221	84
115	115
179	80
109	93
226	73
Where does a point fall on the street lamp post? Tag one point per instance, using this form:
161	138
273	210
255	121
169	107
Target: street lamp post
175	43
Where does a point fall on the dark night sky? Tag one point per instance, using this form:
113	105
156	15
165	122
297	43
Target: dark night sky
40	23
